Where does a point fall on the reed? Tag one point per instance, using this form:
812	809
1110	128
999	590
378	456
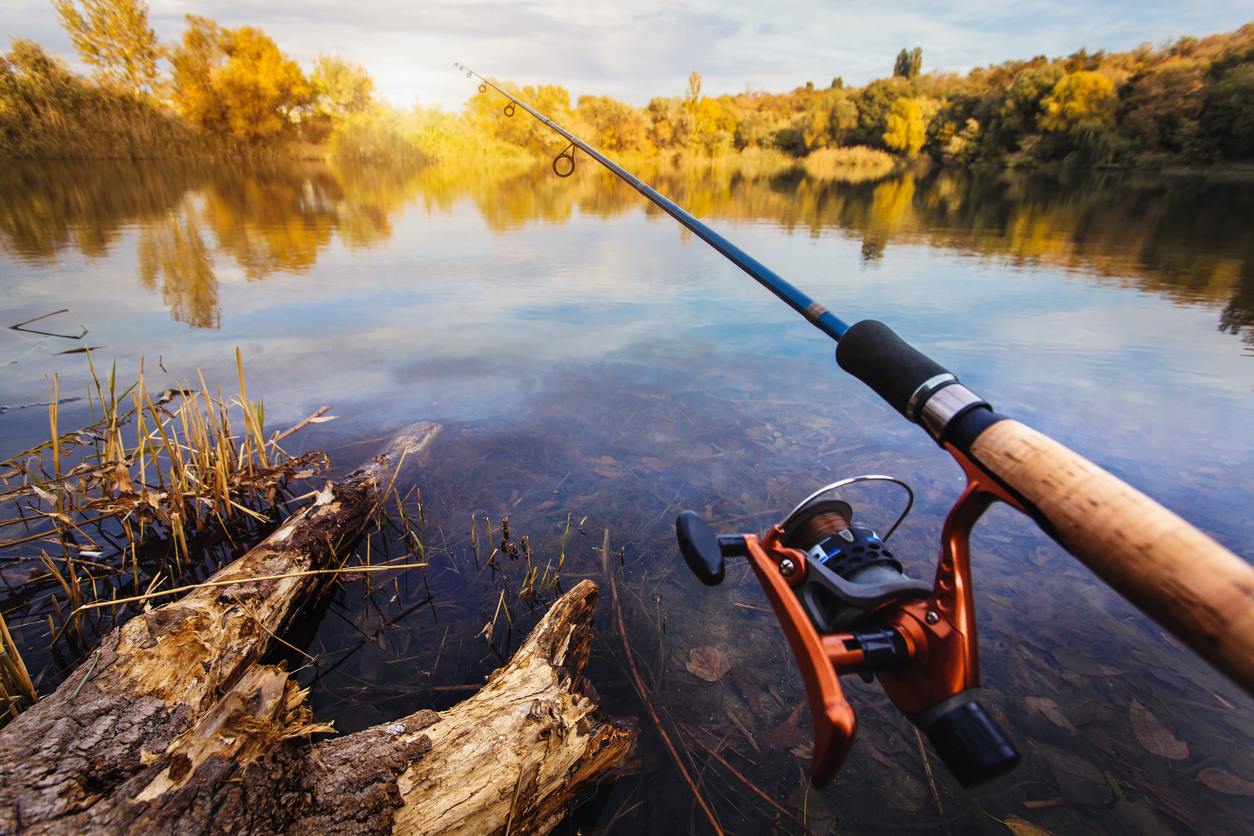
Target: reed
851	164
159	486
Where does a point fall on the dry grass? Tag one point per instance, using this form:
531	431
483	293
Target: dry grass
852	164
147	493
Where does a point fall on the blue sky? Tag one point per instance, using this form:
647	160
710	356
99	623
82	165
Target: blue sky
635	50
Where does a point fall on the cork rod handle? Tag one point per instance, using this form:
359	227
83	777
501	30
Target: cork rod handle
1195	588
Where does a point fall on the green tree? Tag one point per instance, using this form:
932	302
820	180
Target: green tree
1228	116
114	37
1020	104
906	126
909	63
341	88
1083	96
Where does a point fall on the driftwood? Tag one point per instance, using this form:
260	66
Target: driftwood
171	725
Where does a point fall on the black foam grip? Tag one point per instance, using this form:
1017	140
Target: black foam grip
971	744
873	353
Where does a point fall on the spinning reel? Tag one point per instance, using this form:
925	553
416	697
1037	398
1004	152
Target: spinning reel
847	606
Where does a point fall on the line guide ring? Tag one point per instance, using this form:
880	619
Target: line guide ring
568	168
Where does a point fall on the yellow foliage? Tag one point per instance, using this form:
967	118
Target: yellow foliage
907	126
1078	97
114	37
237	82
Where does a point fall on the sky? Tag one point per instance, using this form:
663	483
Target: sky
643	48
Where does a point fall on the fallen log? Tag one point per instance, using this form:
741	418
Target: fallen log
172	725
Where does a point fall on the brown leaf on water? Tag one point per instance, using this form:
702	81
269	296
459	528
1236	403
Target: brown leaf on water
1221	780
1154	736
607	473
784	735
708	663
787	734
1023	827
1049	709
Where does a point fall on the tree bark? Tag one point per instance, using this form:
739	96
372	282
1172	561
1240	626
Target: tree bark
171	725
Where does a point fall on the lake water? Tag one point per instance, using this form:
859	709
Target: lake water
596	367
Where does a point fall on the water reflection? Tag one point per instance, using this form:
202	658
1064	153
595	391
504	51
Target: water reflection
611	372
1178	236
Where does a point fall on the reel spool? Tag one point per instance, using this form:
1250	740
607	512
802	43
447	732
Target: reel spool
851	570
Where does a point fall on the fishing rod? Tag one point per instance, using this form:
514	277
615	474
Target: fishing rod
564	166
844	601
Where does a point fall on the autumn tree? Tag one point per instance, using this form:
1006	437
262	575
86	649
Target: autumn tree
874	104
1228	115
614	125
237	82
907	126
693	97
1016	112
909	63
341	88
196	63
492	116
1159	108
671	123
114	37
830	120
1083	96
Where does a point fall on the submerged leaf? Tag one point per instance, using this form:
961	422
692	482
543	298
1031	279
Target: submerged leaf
1023	827
1154	736
708	663
1221	780
1050	711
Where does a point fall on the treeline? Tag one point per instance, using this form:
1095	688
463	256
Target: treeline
216	90
234	90
1187	101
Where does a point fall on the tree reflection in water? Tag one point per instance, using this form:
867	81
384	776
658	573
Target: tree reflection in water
1180	236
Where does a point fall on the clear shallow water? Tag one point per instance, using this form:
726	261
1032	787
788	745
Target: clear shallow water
589	359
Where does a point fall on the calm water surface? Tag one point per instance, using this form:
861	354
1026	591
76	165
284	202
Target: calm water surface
594	364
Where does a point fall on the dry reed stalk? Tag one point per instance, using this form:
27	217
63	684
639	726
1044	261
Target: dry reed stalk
643	693
775	805
151	474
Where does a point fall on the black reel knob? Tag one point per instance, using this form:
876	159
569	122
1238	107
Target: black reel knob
700	547
969	741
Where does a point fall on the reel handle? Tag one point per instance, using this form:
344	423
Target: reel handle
703	550
968	740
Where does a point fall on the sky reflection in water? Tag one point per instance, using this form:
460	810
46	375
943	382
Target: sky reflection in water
566	321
